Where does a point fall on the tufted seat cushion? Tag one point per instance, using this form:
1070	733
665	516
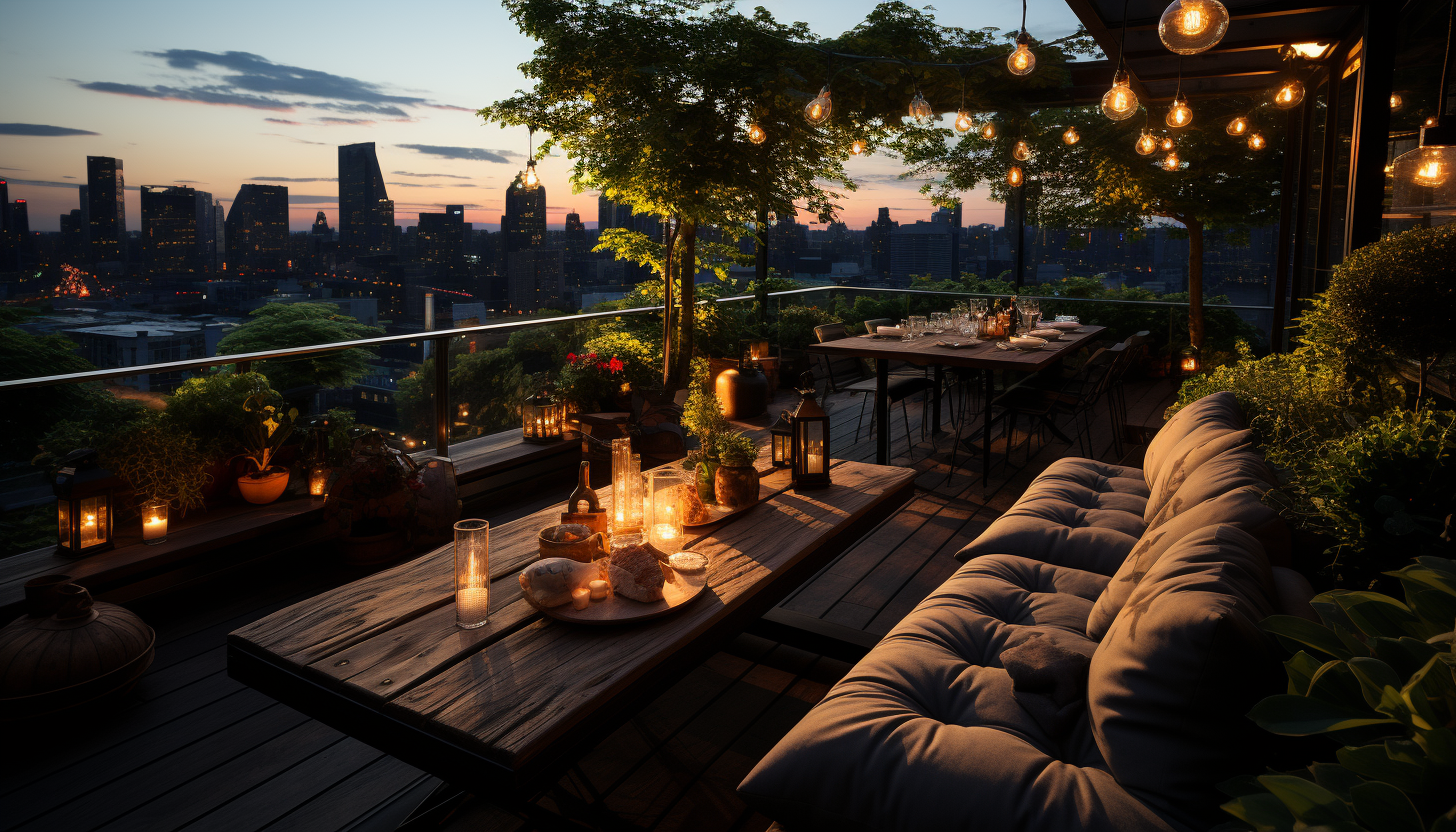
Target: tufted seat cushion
1079	513
1195	425
929	730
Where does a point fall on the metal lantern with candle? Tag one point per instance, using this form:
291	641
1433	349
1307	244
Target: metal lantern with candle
318	480
781	439
472	573
543	419
810	449
1189	362
663	507
84	492
154	522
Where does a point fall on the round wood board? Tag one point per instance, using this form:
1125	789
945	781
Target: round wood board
717	512
677	590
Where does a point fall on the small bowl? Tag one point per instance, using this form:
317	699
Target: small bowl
1048	334
1064	325
571	540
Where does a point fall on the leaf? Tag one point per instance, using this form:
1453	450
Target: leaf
1384	808
1373	675
1301	668
1307	633
1309	802
1263	811
1434	605
1336	778
1380	615
1445	823
1399	524
1243	784
1373	763
1300	716
1439	745
1417	694
1405	654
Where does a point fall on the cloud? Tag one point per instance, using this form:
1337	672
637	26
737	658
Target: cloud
450	107
291	138
330	120
284	121
427	175
18	129
68	177
291	179
45	183
475	153
188	182
427	185
201	95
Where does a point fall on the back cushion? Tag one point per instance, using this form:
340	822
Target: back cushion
1233	468
1169	687
1216	413
1186	458
1242	508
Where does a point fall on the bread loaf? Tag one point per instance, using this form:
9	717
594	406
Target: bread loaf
635	574
548	583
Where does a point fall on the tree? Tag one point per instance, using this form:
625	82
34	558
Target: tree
1102	181
281	325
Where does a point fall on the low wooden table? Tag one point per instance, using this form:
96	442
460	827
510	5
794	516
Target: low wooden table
503	710
923	352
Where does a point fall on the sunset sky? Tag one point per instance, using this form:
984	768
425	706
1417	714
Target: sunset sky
213	95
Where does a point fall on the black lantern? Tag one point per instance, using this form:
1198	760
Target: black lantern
751	352
83	504
543	419
781	439
1189	361
810	462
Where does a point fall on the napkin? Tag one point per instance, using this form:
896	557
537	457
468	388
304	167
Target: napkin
890	332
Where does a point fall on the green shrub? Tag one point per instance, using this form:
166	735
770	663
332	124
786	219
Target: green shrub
796	325
737	448
703	415
1378	677
211	409
641	357
159	462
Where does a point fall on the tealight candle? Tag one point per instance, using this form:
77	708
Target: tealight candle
598	590
580	597
154	522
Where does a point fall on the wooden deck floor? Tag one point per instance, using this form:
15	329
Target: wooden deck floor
192	749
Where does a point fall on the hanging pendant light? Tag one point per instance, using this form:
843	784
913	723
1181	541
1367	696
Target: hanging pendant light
1237	126
1021	151
1070	136
756	133
988	130
1147	143
1422	177
1166	143
1120	102
1397	103
1289	94
1021	61
920	109
964	123
1171	162
1014	176
1192	26
818	110
1179	113
856	148
528	180
1256	141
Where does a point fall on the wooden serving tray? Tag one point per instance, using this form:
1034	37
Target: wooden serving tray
717	512
677	590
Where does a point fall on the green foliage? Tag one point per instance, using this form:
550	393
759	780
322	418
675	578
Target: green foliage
211	409
703	415
281	325
737	448
158	461
343	430
1378	677
268	425
542	349
796	325
30	414
97	423
27	529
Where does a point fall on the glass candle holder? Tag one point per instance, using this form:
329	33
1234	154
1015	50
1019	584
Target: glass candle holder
472	573
318	481
626	487
664	509
154	522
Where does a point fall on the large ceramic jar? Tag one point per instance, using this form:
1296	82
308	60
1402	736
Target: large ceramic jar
736	485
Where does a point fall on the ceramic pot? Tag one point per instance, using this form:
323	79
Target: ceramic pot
707	481
573	541
265	488
737	485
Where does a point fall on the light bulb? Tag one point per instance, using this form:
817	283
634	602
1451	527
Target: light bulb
1421	178
857	148
529	180
1256	141
964	123
1429	122
818	110
1120	102
988	130
1021	61
756	133
1020	151
1170	162
1166	143
1289	94
1188	27
1146	144
1237	126
920	109
1396	102
1179	114
1014	176
1070	136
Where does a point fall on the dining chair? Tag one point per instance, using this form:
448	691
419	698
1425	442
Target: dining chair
849	375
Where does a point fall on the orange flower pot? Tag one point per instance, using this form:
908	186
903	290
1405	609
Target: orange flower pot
264	488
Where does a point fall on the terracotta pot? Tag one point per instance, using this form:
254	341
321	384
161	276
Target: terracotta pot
737	485
586	546
264	489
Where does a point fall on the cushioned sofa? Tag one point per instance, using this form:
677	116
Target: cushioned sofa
1089	667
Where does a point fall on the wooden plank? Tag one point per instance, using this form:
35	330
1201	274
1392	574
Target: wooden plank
353	799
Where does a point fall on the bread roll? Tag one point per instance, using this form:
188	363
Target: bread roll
548	583
635	574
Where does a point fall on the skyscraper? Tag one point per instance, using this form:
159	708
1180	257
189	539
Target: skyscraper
175	228
524	223
219	230
321	226
878	243
366	214
106	208
535	279
441	242
257	228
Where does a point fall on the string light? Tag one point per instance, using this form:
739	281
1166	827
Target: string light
1188	27
818	110
1179	114
1170	162
1256	141
1237	126
1396	102
964	123
1289	94
1014	176
1021	61
1120	102
1166	143
1070	136
857	148
756	133
1146	144
988	130
1422	176
528	179
1021	151
920	109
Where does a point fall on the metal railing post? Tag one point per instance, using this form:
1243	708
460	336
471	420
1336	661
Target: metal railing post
442	395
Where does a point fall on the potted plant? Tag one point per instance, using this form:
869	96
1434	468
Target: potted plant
211	408
591	381
736	480
703	418
268	426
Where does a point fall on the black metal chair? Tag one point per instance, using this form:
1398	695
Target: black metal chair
848	374
1044	399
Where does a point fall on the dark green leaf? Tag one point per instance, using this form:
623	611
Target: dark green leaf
1384	808
1445	823
1263	811
1309	802
1373	676
1336	778
1241	785
1405	654
1301	668
1301	716
1439	745
1307	633
1380	615
1372	763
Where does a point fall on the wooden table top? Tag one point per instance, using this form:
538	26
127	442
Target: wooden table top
382	659
984	354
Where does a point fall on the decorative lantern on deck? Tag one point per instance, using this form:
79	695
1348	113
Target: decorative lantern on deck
781	440
318	480
810	445
755	350
543	419
1189	363
84	493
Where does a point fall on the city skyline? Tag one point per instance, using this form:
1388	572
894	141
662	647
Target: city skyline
215	103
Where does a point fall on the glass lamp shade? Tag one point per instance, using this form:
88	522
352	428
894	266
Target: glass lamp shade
1021	61
920	109
84	493
1188	27
988	130
1189	362
1257	141
856	148
663	509
1179	113
1120	102
529	180
1397	103
1422	178
756	134
543	419
1021	151
1237	126
472	574
318	480
781	436
626	487
1147	144
1289	94
1014	176
818	110
964	123
809	467
1171	162
1166	143
1070	136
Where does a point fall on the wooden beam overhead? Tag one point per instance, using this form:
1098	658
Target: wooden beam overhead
1260	12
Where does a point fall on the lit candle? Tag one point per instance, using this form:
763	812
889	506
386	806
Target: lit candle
664	531
580	597
473	604
598	590
155	529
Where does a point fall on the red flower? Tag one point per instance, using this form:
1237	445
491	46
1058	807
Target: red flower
571	356
615	365
592	356
601	365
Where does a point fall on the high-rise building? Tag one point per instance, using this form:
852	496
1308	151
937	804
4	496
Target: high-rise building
106	208
257	229
878	243
73	240
219	232
535	279
321	226
524	223
920	250
440	242
366	213
176	232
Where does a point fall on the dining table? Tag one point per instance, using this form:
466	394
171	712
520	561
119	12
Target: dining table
950	349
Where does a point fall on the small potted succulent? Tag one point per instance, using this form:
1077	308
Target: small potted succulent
736	480
269	424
